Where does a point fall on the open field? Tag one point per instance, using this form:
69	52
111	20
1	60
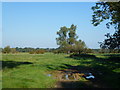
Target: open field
25	70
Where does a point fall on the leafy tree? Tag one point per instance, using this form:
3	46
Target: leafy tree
32	52
26	49
72	35
13	50
62	39
68	40
108	11
38	51
80	46
67	36
6	49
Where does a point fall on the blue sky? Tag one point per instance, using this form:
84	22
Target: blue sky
49	0
34	24
0	24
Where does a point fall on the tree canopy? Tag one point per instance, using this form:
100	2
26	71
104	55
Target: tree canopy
67	40
108	11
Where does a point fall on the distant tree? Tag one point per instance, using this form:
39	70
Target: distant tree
41	51
67	36
72	37
68	42
38	51
6	49
62	39
0	50
32	52
108	11
13	50
80	47
26	49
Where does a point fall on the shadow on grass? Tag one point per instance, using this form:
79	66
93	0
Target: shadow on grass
82	56
75	84
109	57
12	64
101	68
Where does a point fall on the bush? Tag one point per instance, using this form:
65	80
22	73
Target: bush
41	51
88	50
6	49
58	51
32	52
13	50
55	51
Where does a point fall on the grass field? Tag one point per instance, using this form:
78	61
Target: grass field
25	70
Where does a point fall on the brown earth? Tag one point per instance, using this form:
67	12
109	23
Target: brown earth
74	79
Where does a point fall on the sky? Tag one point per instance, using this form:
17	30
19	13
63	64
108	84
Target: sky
0	24
50	0
34	24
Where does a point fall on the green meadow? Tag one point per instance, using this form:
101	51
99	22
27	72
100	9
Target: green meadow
23	70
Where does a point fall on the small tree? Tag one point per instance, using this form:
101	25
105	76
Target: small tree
13	50
32	52
6	49
79	47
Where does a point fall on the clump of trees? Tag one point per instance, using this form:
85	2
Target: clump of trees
68	41
26	49
7	49
29	50
33	50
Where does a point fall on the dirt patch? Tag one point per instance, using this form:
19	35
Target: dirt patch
67	75
69	78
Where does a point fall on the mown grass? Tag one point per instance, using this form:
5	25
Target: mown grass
24	70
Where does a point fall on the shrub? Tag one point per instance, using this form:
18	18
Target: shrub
88	50
13	50
6	49
40	51
32	52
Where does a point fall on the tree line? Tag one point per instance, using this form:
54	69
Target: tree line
30	50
